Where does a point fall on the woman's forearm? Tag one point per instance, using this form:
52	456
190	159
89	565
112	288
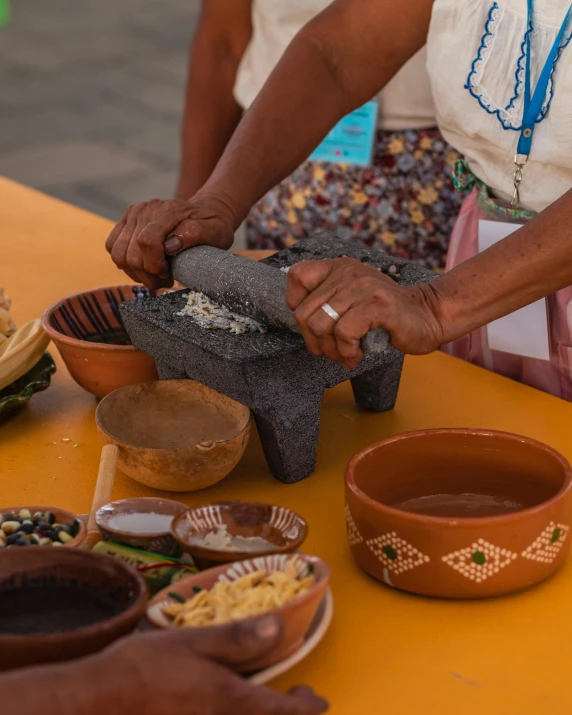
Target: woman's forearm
531	263
337	62
211	116
211	113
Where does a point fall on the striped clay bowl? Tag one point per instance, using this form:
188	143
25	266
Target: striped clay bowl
283	528
92	341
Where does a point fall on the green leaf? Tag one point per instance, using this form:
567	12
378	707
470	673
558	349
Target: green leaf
176	597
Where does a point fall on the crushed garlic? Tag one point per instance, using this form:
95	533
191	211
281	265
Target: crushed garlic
211	315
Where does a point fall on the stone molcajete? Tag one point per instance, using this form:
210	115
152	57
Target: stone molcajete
271	373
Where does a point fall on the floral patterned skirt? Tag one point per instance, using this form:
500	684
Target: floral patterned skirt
405	203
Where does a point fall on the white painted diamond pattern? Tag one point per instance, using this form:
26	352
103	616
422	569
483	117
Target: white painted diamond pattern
354	537
547	546
480	560
396	554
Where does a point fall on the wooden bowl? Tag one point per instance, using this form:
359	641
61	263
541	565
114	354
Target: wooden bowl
92	341
175	435
283	528
296	615
62	517
158	542
459	513
42	568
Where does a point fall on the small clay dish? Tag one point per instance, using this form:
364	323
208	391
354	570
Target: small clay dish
459	513
282	529
62	517
92	341
174	435
124	522
105	598
296	616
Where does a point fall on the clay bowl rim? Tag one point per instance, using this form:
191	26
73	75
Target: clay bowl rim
457	522
208	554
147	535
56	336
205	444
77	540
316	561
137	608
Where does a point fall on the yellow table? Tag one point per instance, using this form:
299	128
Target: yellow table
387	653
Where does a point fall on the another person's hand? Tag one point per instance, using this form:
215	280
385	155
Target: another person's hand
182	671
151	231
365	299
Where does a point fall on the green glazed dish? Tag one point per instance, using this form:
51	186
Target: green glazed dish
19	392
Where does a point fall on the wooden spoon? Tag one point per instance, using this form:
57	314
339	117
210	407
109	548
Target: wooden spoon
103	489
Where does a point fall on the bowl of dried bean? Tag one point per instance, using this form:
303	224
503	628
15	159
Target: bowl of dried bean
39	526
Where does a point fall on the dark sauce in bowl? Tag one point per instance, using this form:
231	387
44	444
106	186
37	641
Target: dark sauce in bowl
114	336
41	610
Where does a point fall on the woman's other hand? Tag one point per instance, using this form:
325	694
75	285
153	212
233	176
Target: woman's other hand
190	671
150	232
365	299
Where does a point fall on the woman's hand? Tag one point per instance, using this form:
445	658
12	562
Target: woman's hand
181	671
151	231
174	671
365	299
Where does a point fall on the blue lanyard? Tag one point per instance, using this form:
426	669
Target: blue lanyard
533	101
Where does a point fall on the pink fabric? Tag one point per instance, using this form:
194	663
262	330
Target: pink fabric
552	376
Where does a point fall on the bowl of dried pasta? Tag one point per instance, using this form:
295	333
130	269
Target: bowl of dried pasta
289	586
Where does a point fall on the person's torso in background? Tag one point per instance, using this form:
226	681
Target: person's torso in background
476	62
406	102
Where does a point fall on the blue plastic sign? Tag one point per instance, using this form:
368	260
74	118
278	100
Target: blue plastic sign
351	140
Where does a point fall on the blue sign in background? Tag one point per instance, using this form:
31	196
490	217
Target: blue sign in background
351	140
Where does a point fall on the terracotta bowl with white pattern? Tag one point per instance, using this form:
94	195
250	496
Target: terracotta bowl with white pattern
459	513
267	528
296	616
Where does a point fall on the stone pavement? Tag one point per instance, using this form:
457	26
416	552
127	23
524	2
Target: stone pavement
91	93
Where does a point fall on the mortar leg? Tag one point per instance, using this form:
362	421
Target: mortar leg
290	439
168	372
376	390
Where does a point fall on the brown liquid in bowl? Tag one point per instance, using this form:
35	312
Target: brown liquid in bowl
461	505
52	609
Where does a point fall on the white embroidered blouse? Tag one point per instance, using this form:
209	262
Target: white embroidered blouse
406	101
476	63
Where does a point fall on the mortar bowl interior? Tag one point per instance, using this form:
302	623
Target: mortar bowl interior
440	474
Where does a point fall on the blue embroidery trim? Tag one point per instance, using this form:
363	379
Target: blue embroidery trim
519	76
509	124
491	20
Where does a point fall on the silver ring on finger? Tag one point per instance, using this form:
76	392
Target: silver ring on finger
328	310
